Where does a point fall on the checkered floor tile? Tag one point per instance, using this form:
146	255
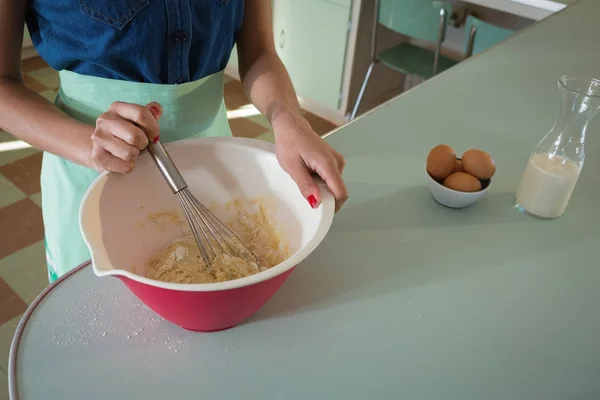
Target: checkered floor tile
22	262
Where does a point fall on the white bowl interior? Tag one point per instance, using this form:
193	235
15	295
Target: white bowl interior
126	219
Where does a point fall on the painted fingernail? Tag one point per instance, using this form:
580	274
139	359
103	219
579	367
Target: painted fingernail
154	111
312	200
156	139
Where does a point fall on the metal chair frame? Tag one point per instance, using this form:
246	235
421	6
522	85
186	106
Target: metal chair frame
471	41
375	59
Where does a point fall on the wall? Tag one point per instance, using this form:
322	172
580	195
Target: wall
455	36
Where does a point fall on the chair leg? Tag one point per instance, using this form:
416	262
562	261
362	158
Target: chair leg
471	41
438	46
362	90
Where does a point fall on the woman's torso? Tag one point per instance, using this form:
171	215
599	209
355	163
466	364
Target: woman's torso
154	41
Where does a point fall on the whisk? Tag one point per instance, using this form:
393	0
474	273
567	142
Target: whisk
212	235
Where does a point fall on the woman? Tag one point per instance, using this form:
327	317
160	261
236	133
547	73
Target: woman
124	64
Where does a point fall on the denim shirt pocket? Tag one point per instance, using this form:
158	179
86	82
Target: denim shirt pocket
115	13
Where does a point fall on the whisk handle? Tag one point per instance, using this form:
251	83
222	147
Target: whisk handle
166	166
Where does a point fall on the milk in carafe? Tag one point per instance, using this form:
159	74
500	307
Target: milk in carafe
555	164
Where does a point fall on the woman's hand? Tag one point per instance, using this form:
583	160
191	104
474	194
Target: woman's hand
301	152
121	133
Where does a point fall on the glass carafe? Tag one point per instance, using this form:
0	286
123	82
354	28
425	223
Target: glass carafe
556	162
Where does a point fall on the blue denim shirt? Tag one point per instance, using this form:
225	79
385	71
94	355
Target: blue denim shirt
154	41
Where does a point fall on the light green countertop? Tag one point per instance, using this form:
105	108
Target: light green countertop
483	303
426	302
405	299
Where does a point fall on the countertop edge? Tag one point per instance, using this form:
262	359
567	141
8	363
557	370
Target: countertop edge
14	348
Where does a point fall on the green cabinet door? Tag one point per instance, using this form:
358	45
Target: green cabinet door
311	38
344	3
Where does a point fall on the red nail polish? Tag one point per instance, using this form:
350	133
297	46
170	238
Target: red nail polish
312	200
154	111
156	139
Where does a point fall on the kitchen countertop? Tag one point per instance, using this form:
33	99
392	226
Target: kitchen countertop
532	9
404	298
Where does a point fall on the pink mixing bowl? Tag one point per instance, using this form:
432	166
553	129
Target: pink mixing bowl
126	219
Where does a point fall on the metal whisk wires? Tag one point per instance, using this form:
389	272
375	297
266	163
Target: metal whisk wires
212	235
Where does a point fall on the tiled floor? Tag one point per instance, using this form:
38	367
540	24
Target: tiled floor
22	261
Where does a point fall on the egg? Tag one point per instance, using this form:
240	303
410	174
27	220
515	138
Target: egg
441	161
459	166
479	164
462	182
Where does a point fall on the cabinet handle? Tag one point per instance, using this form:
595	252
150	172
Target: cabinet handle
281	39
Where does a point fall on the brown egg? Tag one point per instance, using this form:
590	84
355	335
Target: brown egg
459	167
479	164
441	161
462	182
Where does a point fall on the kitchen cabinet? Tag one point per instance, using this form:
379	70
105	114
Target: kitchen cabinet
343	3
312	39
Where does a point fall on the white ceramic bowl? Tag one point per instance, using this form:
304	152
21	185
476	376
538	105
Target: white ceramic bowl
115	226
453	198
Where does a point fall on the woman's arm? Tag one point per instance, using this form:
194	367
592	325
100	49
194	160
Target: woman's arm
300	151
26	114
265	79
112	145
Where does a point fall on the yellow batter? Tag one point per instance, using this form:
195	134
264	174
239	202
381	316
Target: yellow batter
181	261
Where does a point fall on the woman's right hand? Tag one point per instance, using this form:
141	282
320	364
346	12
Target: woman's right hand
121	133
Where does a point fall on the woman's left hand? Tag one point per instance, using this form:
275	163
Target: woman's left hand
301	152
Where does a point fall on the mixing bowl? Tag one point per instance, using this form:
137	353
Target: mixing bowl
126	219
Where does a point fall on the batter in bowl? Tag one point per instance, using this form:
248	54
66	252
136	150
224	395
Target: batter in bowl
181	261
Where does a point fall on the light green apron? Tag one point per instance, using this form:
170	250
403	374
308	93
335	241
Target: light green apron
194	109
